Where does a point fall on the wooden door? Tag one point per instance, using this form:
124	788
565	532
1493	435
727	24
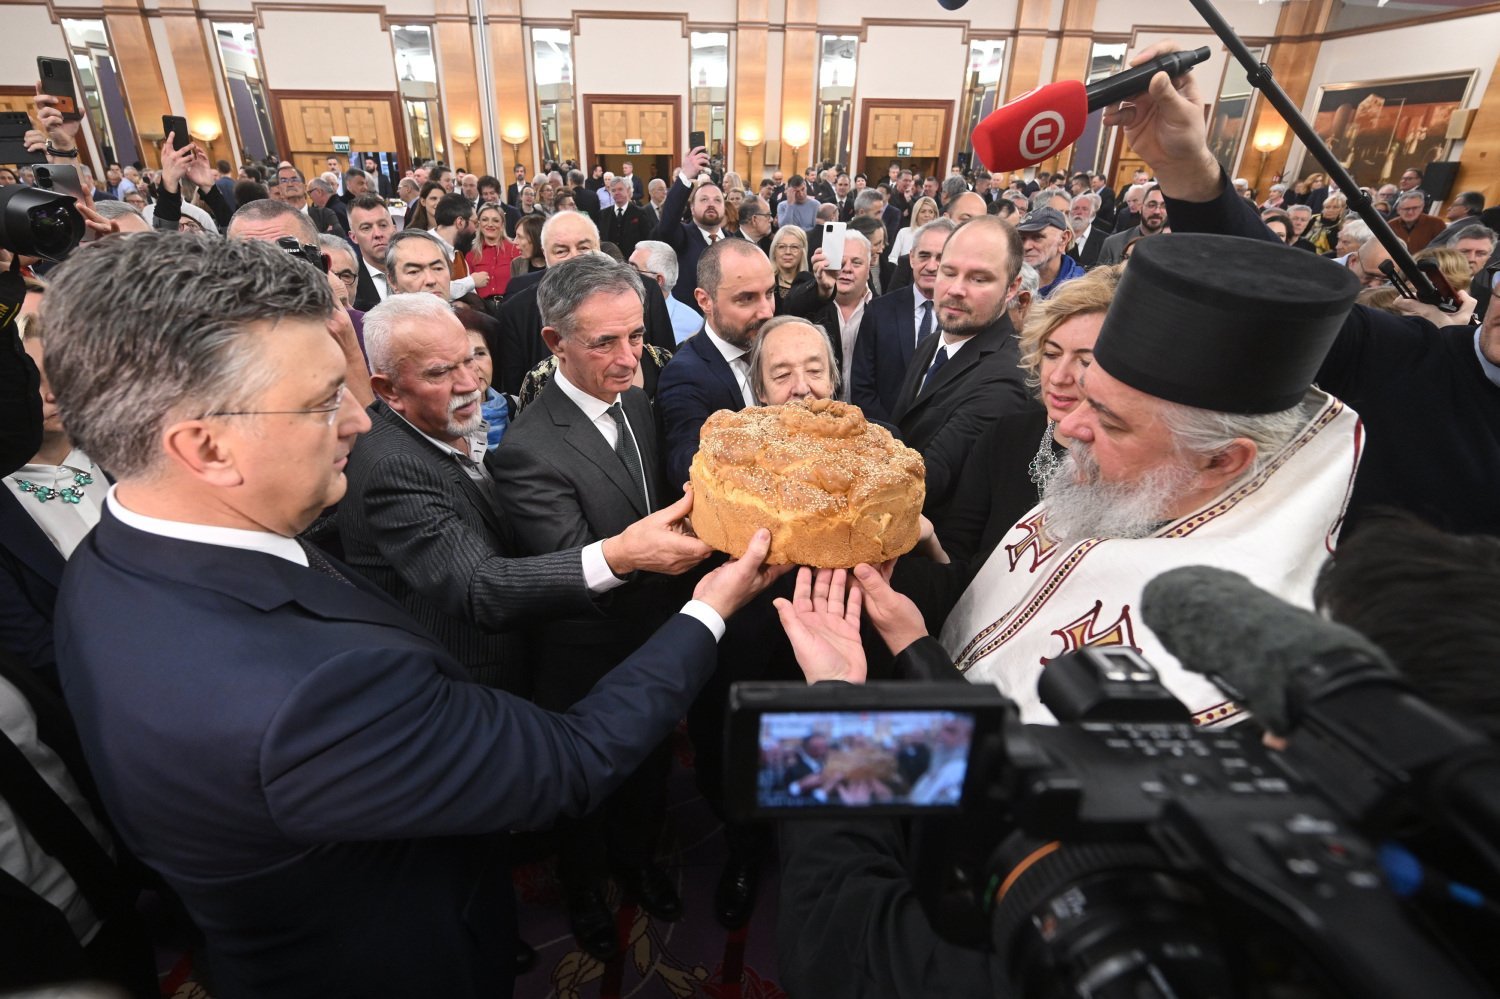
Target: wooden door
306	123
924	124
655	120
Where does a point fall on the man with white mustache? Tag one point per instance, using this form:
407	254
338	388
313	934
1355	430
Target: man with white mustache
420	518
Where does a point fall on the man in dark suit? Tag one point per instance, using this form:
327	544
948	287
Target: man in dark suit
351	787
711	371
419	519
513	192
1106	212
521	347
964	379
894	324
371	230
579	465
321	198
637	189
656	191
623	223
690	239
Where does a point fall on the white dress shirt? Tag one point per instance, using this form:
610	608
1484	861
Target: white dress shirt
382	286
207	534
849	332
738	360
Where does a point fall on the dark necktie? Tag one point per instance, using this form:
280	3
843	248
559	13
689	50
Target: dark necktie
318	562
713	238
625	448
937	364
926	326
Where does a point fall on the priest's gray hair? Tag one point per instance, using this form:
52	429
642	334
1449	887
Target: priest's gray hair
385	323
163	327
1206	432
569	284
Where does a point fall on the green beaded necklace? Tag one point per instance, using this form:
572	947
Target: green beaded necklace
68	494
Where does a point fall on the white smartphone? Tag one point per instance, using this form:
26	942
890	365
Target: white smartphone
833	245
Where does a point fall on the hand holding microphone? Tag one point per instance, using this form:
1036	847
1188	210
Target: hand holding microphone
1166	127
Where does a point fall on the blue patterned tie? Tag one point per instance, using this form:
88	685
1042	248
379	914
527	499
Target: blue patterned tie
926	326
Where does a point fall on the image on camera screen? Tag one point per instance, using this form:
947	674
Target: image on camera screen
863	758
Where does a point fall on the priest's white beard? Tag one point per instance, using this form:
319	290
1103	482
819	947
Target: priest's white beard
1080	505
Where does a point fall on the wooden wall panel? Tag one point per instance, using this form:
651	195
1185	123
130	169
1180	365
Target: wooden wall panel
140	77
453	36
308	120
1025	74
1292	65
196	74
751	40
1074	52
513	109
1479	167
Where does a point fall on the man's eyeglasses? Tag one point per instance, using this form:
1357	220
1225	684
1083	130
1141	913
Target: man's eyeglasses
329	410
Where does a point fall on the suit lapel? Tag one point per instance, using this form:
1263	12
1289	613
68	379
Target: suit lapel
906	328
719	367
583	437
449	463
916	369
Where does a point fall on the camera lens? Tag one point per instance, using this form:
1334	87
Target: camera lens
51	229
37	223
1106	919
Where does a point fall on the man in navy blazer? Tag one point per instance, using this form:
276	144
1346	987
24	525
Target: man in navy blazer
305	766
736	292
894	324
690	239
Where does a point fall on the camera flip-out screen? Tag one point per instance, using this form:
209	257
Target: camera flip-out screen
795	750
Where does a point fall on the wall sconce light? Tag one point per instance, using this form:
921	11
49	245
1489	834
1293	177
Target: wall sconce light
514	135
465	136
1267	143
205	131
794	135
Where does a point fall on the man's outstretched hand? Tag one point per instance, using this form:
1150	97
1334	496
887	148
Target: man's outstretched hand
822	620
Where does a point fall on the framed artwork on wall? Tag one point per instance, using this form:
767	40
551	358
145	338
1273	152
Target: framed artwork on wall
1381	128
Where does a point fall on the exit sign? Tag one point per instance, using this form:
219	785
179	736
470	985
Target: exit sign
632	147
903	149
340	143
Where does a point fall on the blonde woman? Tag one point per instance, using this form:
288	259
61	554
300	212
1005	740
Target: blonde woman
923	211
789	259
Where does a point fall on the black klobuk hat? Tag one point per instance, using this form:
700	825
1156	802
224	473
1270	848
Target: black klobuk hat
1224	323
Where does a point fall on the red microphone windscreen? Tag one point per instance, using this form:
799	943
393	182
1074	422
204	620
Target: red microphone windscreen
1033	126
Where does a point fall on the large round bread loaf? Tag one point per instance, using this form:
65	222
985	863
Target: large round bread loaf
833	489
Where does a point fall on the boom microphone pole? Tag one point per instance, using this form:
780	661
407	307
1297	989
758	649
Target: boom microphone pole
1261	79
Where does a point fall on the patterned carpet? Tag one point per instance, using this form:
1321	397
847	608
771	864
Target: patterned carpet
695	957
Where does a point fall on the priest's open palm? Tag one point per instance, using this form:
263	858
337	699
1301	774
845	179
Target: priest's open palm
822	621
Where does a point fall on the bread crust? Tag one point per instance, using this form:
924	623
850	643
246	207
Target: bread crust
833	489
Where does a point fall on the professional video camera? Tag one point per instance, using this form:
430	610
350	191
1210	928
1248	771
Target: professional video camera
37	222
1143	856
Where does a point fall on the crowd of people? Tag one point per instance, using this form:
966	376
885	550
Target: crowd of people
371	496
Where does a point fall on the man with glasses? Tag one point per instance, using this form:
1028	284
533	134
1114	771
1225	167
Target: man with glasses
1427	385
656	262
352	789
755	223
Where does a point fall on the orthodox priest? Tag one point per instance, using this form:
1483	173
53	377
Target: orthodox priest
1200	441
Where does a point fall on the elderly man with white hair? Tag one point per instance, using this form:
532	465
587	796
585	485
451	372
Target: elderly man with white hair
655	261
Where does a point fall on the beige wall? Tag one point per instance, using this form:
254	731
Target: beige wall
28	33
325	51
628	57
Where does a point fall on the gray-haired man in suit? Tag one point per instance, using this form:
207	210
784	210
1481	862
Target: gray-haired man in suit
420	518
581	464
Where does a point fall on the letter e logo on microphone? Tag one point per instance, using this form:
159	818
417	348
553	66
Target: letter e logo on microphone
1041	135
